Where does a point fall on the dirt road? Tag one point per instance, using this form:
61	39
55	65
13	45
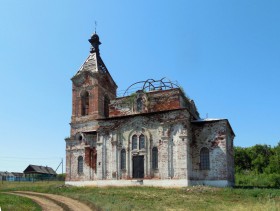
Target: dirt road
52	202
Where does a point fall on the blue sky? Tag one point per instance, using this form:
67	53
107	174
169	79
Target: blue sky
225	54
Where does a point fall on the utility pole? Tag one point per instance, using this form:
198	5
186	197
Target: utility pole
62	165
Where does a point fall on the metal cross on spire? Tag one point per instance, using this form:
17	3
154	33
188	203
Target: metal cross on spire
95	23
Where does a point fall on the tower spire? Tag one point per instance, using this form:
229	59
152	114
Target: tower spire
95	25
94	41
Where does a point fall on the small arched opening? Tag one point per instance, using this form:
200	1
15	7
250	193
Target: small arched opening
106	106
80	164
155	158
85	103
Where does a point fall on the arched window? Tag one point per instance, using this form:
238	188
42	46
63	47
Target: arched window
139	104
155	158
123	159
106	106
134	142
204	159
141	141
80	164
84	103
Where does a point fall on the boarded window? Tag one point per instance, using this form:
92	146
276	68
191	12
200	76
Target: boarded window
123	159
155	158
106	106
142	142
204	159
80	165
134	142
84	103
93	158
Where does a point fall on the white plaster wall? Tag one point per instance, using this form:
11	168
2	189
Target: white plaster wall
178	152
170	139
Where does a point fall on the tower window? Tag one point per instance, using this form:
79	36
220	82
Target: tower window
106	106
84	103
134	142
80	137
80	164
204	159
123	159
155	158
139	103
141	141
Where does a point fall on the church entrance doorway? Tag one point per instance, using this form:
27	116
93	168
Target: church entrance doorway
138	166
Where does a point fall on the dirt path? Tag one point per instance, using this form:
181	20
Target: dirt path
46	204
52	202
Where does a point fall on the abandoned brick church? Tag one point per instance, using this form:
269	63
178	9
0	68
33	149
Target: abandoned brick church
151	137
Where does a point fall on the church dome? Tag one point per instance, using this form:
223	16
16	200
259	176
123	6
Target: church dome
94	39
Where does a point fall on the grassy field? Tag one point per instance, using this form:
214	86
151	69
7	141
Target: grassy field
16	203
149	198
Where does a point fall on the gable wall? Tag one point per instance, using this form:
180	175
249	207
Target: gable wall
214	136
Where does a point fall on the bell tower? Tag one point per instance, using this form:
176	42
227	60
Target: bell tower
92	89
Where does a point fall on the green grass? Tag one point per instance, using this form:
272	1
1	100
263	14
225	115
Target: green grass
149	198
257	180
17	203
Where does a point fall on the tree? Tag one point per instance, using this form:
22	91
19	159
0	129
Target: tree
242	160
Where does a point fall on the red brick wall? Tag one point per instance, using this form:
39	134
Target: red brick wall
91	157
154	101
97	85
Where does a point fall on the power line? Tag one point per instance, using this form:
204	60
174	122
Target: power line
38	158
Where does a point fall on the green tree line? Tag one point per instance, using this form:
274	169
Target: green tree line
258	165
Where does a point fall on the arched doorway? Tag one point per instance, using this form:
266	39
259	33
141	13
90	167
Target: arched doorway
138	166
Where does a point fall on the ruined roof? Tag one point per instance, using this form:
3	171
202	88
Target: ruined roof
139	114
150	85
94	62
166	98
209	120
33	169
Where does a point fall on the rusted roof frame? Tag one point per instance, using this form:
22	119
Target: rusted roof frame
151	85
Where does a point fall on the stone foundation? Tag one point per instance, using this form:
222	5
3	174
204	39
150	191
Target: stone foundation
154	183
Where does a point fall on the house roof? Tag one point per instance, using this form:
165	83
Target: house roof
18	174
33	169
5	173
